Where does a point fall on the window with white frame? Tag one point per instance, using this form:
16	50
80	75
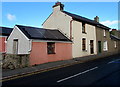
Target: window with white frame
104	33
115	44
105	46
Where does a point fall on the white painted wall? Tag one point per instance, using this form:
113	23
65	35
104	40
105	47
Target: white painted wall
61	21
58	20
78	35
24	44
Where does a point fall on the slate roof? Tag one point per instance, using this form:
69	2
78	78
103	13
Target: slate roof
42	34
4	31
114	37
83	19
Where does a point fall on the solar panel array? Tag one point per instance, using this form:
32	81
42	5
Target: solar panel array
43	34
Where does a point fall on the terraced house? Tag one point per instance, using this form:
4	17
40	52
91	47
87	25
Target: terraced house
64	36
89	36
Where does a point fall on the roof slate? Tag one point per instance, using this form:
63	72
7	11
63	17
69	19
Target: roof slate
4	31
114	37
42	34
83	19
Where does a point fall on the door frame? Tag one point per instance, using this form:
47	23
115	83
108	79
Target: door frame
15	46
99	47
91	46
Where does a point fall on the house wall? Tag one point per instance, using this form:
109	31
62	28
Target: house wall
100	37
24	44
58	20
2	44
63	22
38	55
112	48
77	39
119	41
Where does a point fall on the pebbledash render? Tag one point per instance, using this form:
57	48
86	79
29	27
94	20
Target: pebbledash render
89	36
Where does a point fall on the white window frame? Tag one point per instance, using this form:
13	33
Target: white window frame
105	46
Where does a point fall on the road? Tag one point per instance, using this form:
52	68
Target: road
100	72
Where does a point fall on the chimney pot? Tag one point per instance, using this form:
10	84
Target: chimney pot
96	19
113	29
59	4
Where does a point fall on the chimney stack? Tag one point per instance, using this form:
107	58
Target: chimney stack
96	19
114	30
58	6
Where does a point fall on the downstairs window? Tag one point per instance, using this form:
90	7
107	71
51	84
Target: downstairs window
50	47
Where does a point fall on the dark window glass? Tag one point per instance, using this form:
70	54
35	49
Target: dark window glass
83	27
51	48
83	44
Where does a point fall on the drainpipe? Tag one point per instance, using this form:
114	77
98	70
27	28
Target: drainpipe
30	46
71	29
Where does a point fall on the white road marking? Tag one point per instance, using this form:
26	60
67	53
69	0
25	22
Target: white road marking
76	74
110	62
113	61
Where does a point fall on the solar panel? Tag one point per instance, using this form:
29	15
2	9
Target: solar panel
49	35
58	34
43	34
34	33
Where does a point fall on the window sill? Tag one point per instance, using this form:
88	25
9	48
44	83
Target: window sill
51	53
84	50
105	50
84	32
105	36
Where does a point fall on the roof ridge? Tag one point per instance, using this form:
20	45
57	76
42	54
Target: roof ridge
6	27
90	21
80	16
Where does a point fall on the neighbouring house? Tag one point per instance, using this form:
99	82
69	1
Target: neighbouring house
89	36
102	38
4	33
115	40
43	45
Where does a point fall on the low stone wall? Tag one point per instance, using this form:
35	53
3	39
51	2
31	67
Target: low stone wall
13	61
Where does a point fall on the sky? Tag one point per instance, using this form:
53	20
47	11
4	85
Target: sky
35	13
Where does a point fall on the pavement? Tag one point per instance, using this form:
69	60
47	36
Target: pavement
8	74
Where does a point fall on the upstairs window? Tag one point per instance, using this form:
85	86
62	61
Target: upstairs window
104	33
51	48
83	28
83	44
105	46
115	44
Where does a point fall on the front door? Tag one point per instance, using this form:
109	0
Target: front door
99	46
91	46
15	46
